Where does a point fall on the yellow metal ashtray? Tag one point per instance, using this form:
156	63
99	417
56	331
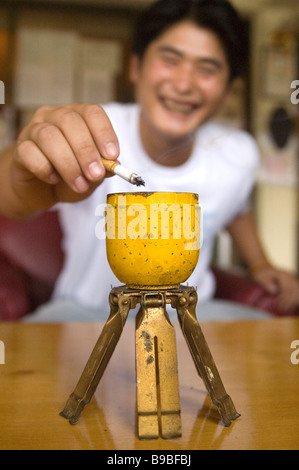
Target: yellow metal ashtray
152	238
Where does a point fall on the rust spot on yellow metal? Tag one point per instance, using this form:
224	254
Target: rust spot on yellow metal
150	360
148	345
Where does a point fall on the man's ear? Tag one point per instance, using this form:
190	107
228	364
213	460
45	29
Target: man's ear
134	68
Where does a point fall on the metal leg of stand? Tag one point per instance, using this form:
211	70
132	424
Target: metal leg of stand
202	356
119	308
158	401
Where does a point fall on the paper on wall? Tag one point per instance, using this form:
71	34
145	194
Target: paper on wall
99	62
97	86
44	69
55	67
101	55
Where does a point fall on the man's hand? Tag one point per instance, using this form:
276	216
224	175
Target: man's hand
58	154
281	284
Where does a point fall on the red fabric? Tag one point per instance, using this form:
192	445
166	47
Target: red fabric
14	299
32	258
33	245
239	287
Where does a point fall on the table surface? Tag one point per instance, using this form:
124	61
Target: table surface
44	362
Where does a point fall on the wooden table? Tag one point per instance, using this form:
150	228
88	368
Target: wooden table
43	363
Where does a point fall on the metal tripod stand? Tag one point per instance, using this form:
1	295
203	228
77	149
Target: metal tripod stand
158	402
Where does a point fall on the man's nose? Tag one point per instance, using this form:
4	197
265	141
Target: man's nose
184	78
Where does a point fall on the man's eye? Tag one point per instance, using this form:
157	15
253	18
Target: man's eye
170	60
209	71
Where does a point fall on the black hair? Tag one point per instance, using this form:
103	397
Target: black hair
218	16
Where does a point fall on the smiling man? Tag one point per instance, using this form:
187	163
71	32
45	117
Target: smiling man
186	53
181	80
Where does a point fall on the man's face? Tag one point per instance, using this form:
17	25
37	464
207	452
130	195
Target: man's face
181	81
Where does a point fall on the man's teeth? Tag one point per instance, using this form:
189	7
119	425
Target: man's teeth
178	107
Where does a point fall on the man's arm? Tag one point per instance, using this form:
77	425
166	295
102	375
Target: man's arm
244	233
277	282
57	158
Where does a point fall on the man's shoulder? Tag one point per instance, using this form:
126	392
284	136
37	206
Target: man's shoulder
220	131
229	140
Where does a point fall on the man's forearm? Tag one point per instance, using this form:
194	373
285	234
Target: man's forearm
244	233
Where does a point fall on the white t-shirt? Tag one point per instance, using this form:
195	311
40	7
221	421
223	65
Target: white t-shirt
221	170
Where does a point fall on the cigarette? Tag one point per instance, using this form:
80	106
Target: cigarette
115	167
